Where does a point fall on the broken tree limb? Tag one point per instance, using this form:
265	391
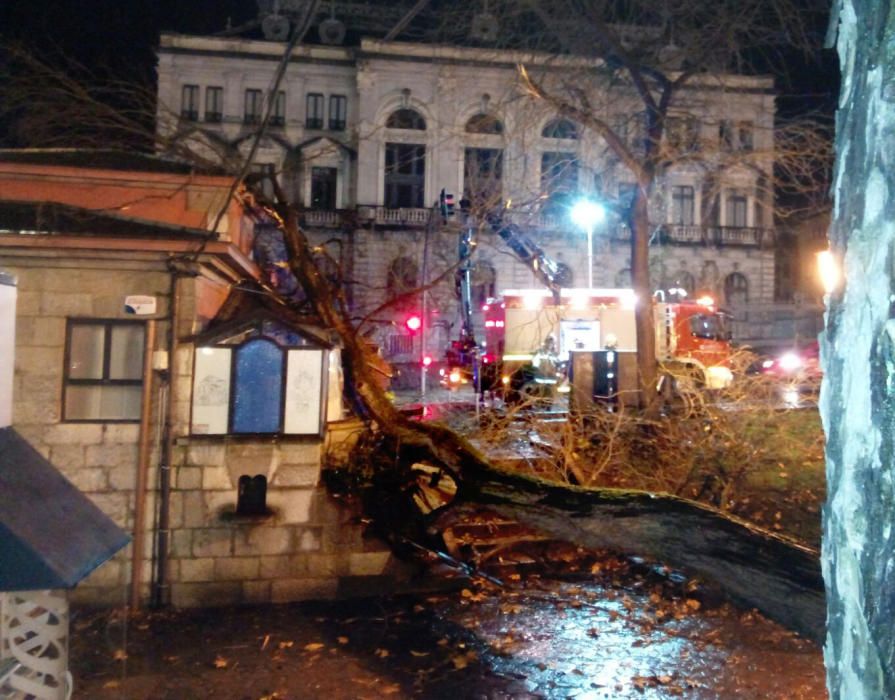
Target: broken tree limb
759	569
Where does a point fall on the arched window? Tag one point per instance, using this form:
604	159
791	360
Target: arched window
257	376
560	129
683	280
484	124
402	278
736	288
406	118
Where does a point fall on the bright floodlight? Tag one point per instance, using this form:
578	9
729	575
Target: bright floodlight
587	214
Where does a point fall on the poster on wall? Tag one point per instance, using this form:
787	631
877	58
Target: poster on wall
305	386
211	391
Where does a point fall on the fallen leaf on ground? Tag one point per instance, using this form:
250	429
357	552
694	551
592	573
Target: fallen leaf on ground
313	646
119	655
288	645
381	653
342	640
418	653
220	662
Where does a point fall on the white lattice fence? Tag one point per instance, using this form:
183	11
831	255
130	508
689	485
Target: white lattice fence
34	633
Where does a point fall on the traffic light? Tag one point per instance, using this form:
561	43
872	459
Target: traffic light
413	323
446	204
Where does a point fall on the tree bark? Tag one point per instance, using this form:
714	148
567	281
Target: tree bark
644	320
858	351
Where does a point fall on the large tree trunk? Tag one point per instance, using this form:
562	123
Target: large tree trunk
858	395
756	568
643	312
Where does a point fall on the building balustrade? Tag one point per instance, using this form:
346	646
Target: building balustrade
667	234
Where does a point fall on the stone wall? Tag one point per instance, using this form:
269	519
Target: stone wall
310	545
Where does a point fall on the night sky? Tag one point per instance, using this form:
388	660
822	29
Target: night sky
118	37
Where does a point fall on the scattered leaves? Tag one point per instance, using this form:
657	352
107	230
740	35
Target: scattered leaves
220	662
313	646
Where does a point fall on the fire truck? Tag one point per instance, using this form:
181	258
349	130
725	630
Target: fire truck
527	326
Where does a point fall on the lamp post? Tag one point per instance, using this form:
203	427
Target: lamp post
587	214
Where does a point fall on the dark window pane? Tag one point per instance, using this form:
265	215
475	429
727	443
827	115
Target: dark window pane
257	390
405	175
484	124
323	188
560	129
406	119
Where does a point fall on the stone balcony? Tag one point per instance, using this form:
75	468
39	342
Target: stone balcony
666	234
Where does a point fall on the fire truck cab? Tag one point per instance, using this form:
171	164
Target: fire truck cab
527	323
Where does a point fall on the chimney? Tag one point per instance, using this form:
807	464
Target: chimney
7	345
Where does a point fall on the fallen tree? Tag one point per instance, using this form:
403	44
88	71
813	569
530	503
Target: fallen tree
756	568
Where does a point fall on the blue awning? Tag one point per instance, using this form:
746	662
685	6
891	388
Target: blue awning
51	534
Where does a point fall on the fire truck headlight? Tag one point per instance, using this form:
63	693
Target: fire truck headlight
718	377
790	362
454	377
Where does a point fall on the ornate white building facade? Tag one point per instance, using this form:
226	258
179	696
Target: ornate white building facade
365	139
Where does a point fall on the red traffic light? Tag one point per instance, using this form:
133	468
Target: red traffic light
413	323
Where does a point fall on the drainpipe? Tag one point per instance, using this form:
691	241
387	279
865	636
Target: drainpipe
160	587
139	543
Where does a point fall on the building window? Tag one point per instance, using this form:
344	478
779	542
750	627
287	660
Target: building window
736	137
736	210
278	118
323	188
482	175
103	370
402	279
338	112
745	130
214	104
682	134
405	175
725	135
560	129
314	111
736	288
682	205
484	283
189	102
559	180
406	118
265	174
253	107
484	124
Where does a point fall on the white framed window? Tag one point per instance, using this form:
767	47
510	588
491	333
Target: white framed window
278	118
214	103
254	106
338	112
314	111
189	102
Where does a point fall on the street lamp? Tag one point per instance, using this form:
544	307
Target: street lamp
587	214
